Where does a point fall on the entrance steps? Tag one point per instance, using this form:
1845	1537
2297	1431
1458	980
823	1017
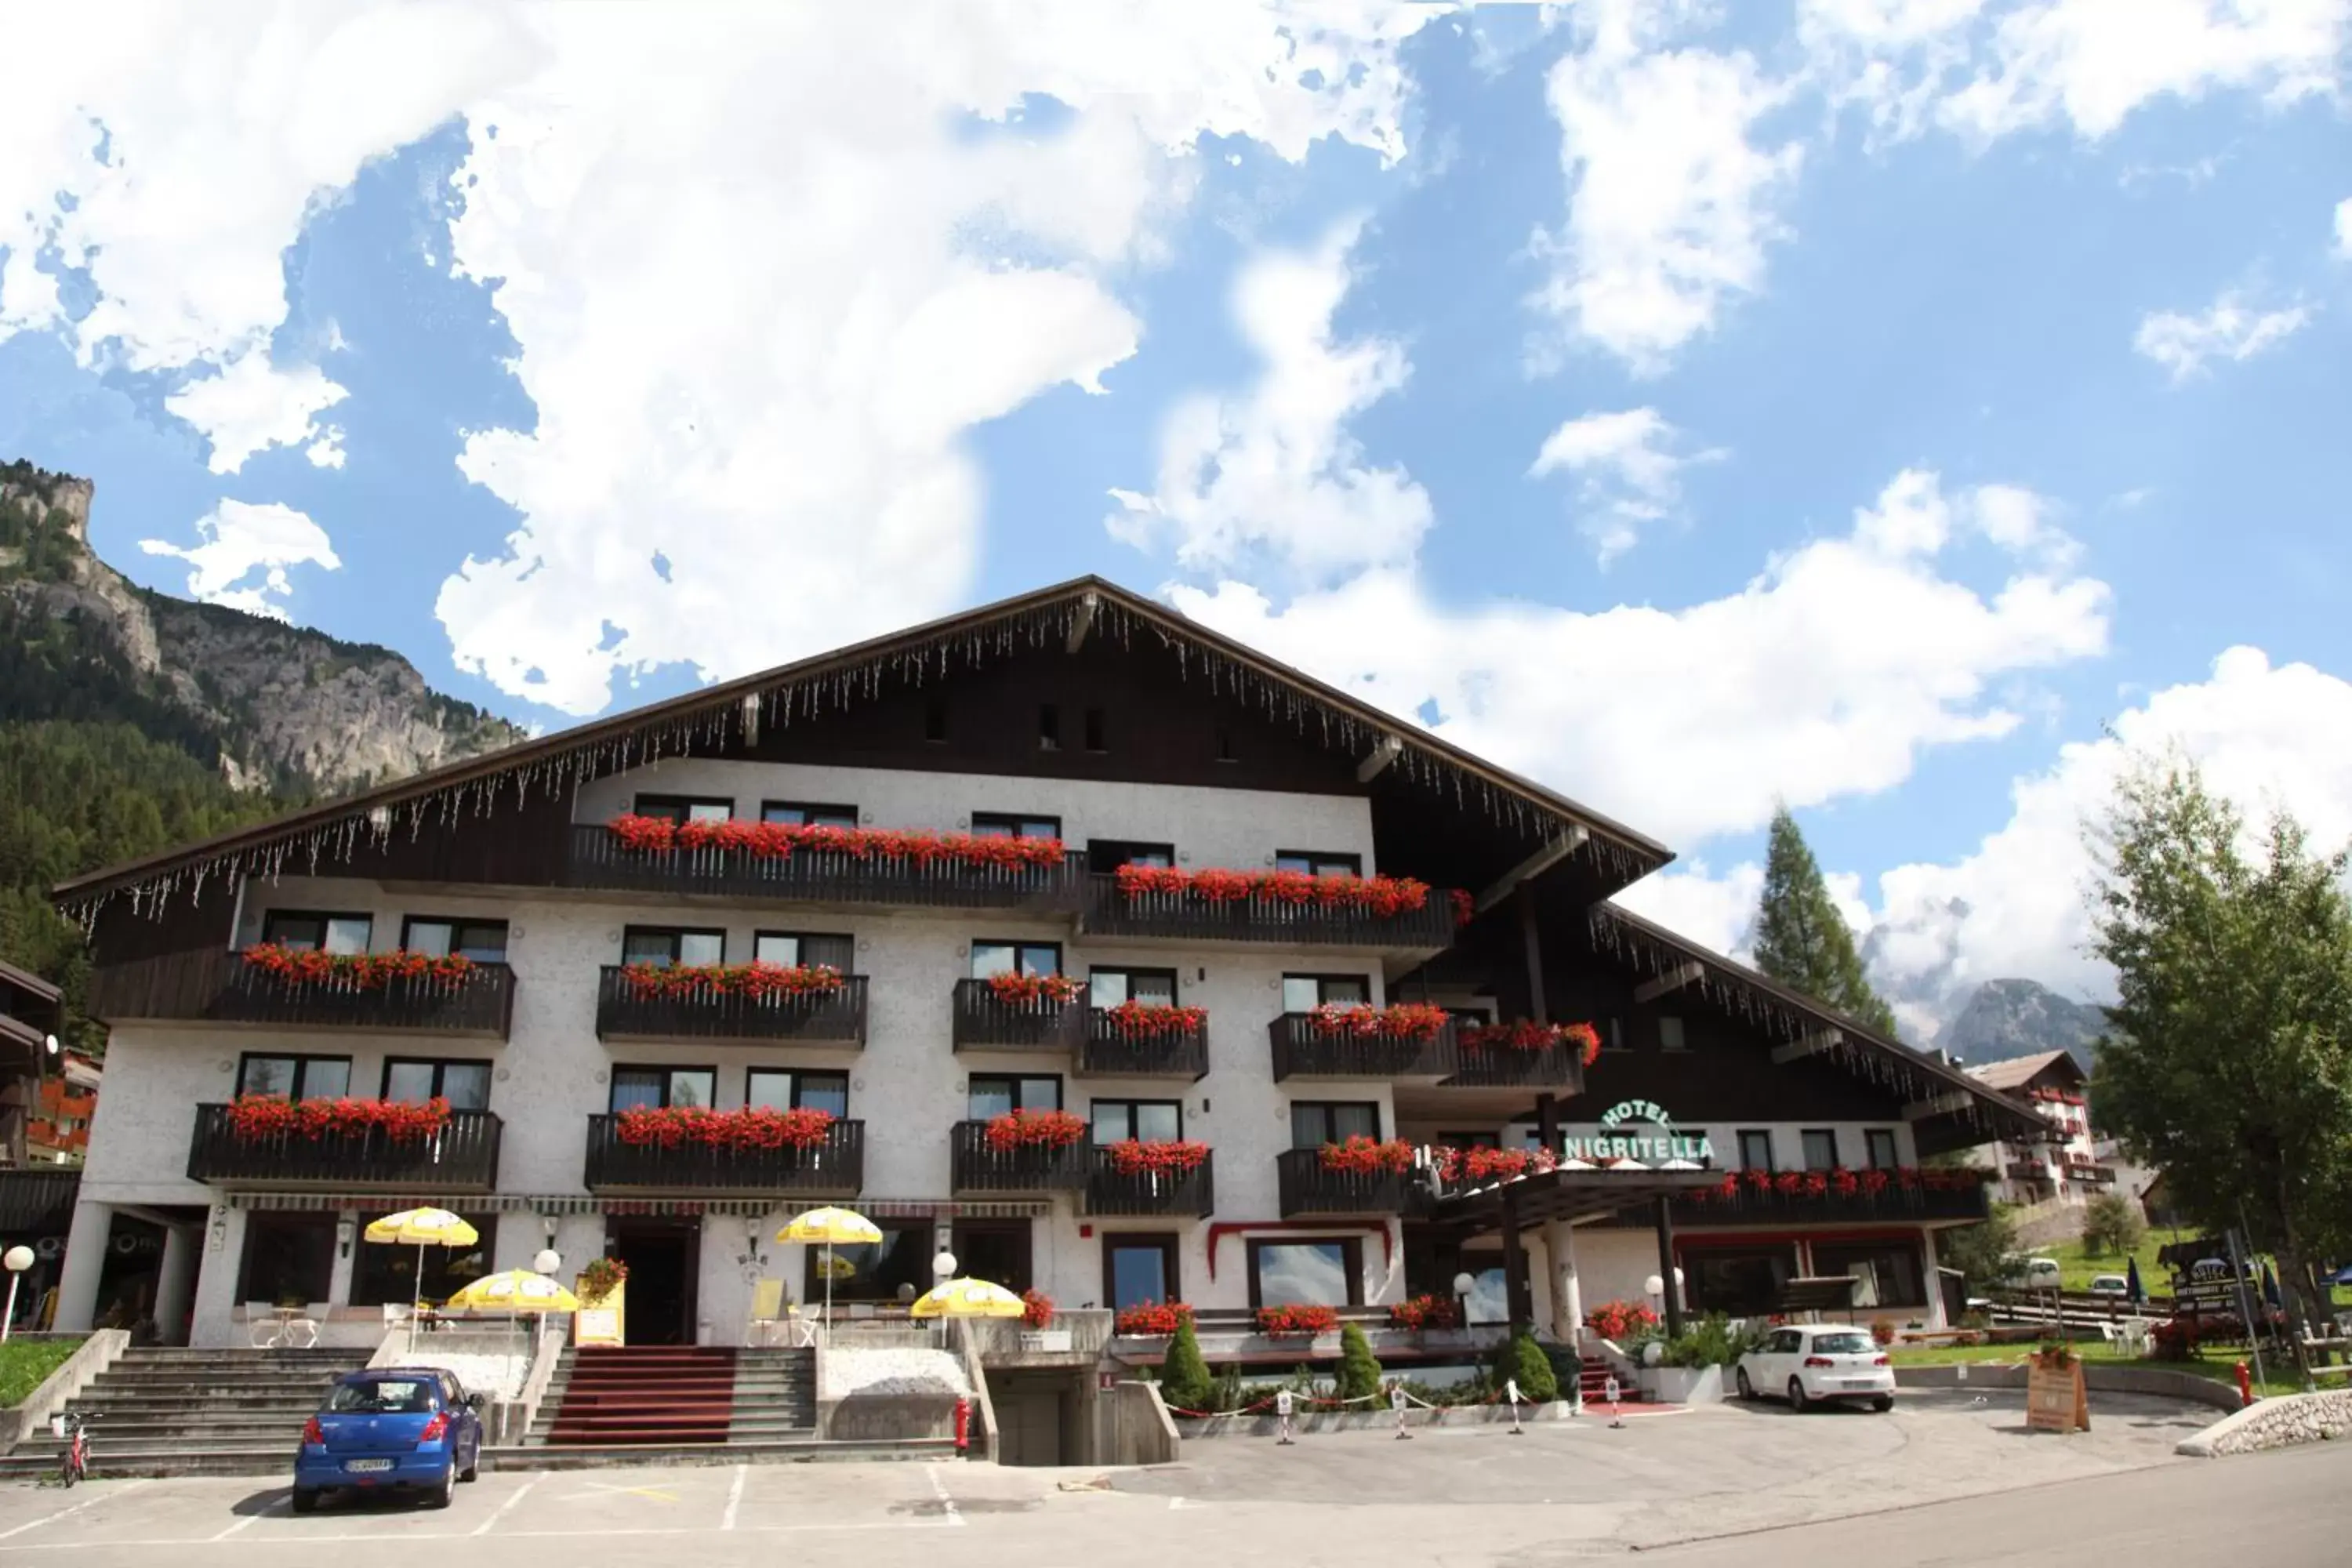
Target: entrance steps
662	1397
173	1412
1593	1382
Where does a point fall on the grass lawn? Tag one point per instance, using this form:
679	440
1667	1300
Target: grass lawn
25	1364
2076	1270
2219	1365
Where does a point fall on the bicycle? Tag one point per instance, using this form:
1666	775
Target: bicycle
73	1460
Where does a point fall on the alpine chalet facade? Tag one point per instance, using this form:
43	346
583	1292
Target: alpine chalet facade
1064	936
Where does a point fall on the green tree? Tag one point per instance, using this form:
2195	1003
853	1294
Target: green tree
1184	1379
2228	1059
1360	1370
1981	1252
1801	941
1521	1359
2112	1226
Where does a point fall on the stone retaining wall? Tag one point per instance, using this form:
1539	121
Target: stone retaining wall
2275	1423
2155	1382
1382	1420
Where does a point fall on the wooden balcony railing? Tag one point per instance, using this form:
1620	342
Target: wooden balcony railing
1180	917
835	1168
1302	1050
1306	1187
34	1203
1028	1168
599	860
1556	1068
1109	1191
983	1020
1748	1206
217	985
1111	1052
462	1157
704	1013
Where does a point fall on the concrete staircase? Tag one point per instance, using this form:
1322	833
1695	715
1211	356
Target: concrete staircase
163	1412
1593	1382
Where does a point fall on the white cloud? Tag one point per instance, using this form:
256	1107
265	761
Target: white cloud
252	403
2228	328
1630	475
2269	737
1672	201
1915	517
327	451
1716	913
239	542
764	273
2344	229
1272	472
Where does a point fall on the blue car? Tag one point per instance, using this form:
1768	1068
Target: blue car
409	1428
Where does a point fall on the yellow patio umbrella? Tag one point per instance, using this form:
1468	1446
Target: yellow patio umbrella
516	1290
829	1228
968	1298
422	1229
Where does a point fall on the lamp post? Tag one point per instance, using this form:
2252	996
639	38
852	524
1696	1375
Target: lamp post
1464	1283
547	1261
18	1258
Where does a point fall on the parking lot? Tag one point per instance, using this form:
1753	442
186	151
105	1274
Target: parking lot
1473	1494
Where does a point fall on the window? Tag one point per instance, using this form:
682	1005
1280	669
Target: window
1095	741
684	807
1152	1121
1613	1035
775	1088
1470	1140
1014	825
1225	745
935	720
1326	1271
381	1274
1738	1281
484	941
1139	1268
308	933
897	1268
1015	958
289	1259
657	1087
1109	987
1315	1122
1489	1301
1470	1018
993	1250
1049	727
1821	1149
1305	992
466	1085
1105	856
295	1078
830	950
666	945
1670	1034
801	813
1880	1142
1319	862
1889	1271
999	1094
1755	1148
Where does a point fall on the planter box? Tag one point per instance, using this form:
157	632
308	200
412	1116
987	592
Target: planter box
1683	1384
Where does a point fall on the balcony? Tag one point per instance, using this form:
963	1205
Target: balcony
1557	1068
1109	1191
835	1168
1029	1168
37	1202
1306	1187
1111	1052
598	860
1259	920
463	1157
216	986
834	1018
1304	1049
986	1022
1895	1205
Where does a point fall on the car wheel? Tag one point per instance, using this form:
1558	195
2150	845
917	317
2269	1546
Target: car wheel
1746	1389
304	1500
473	1470
1883	1403
1797	1400
443	1495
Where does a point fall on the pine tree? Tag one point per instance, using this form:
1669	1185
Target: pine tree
1801	941
1523	1361
1185	1380
1360	1370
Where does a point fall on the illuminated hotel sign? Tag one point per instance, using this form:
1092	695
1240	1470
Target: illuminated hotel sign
1640	1129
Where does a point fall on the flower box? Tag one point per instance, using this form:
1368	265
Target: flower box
252	1117
1133	1157
779	840
749	1127
1405	1021
1025	990
1297	1319
1153	1020
1150	1319
1524	1035
1034	1129
354	971
1365	1156
755	980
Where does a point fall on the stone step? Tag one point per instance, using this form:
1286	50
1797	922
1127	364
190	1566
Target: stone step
795	1451
108	1463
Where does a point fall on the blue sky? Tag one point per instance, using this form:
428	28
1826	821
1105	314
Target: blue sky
1900	407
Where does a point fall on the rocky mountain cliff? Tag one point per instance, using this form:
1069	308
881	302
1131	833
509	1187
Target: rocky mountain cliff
2006	1018
274	707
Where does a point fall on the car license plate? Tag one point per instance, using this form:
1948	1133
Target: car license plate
1861	1381
367	1464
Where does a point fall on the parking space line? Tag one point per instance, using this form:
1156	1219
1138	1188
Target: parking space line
499	1512
734	1498
939	1490
280	1506
307	1543
86	1502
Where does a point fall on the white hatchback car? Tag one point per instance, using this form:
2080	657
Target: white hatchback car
1817	1363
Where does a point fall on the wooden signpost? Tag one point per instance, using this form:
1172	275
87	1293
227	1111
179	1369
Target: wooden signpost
2055	1399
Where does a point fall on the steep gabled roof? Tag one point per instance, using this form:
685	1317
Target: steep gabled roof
2018	1071
706	718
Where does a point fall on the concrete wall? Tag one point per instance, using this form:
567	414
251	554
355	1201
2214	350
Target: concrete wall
2275	1423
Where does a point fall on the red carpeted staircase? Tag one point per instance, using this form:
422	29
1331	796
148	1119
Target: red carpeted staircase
653	1394
1592	1384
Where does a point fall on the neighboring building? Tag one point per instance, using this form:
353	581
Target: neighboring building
37	1183
1129	738
2062	1163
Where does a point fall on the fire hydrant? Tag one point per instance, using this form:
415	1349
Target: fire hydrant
963	1424
2245	1386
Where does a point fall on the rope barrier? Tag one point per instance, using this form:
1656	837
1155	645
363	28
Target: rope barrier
1316	1402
